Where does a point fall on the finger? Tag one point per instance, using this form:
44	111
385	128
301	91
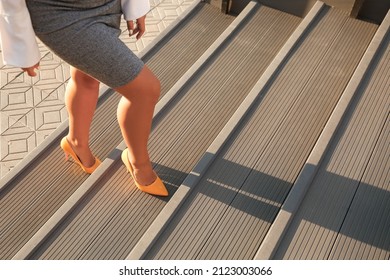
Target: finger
134	32
140	34
141	29
31	70
34	73
130	27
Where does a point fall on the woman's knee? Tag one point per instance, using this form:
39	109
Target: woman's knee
150	85
83	80
155	88
146	86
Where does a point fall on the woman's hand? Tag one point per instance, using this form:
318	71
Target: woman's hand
31	70
137	28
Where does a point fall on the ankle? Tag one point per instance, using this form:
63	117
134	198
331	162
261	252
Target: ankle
82	151
144	173
76	143
142	167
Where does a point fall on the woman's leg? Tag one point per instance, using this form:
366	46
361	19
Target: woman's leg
135	114
81	97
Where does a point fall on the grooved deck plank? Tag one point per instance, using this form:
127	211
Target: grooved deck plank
179	53
365	230
351	176
231	209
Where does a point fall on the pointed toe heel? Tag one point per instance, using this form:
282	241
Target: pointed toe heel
156	188
65	146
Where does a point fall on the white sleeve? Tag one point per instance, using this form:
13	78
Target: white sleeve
17	37
133	9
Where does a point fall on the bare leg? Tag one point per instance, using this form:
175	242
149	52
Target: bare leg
81	97
135	114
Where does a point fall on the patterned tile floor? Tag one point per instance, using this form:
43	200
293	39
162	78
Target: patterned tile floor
32	108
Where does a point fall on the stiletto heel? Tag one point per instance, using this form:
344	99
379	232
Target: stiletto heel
156	188
69	151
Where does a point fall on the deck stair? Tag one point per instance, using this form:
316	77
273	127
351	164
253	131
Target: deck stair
271	134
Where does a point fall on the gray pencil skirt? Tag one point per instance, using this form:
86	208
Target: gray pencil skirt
85	34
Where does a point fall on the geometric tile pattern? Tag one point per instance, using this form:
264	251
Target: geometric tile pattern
32	108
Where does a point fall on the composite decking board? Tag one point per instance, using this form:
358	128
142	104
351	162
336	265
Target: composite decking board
21	201
365	230
209	20
26	195
225	233
211	84
60	179
357	156
283	159
212	193
315	229
173	117
370	206
114	191
132	224
254	63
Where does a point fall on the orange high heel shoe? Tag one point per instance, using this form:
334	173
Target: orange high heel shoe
156	188
69	151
